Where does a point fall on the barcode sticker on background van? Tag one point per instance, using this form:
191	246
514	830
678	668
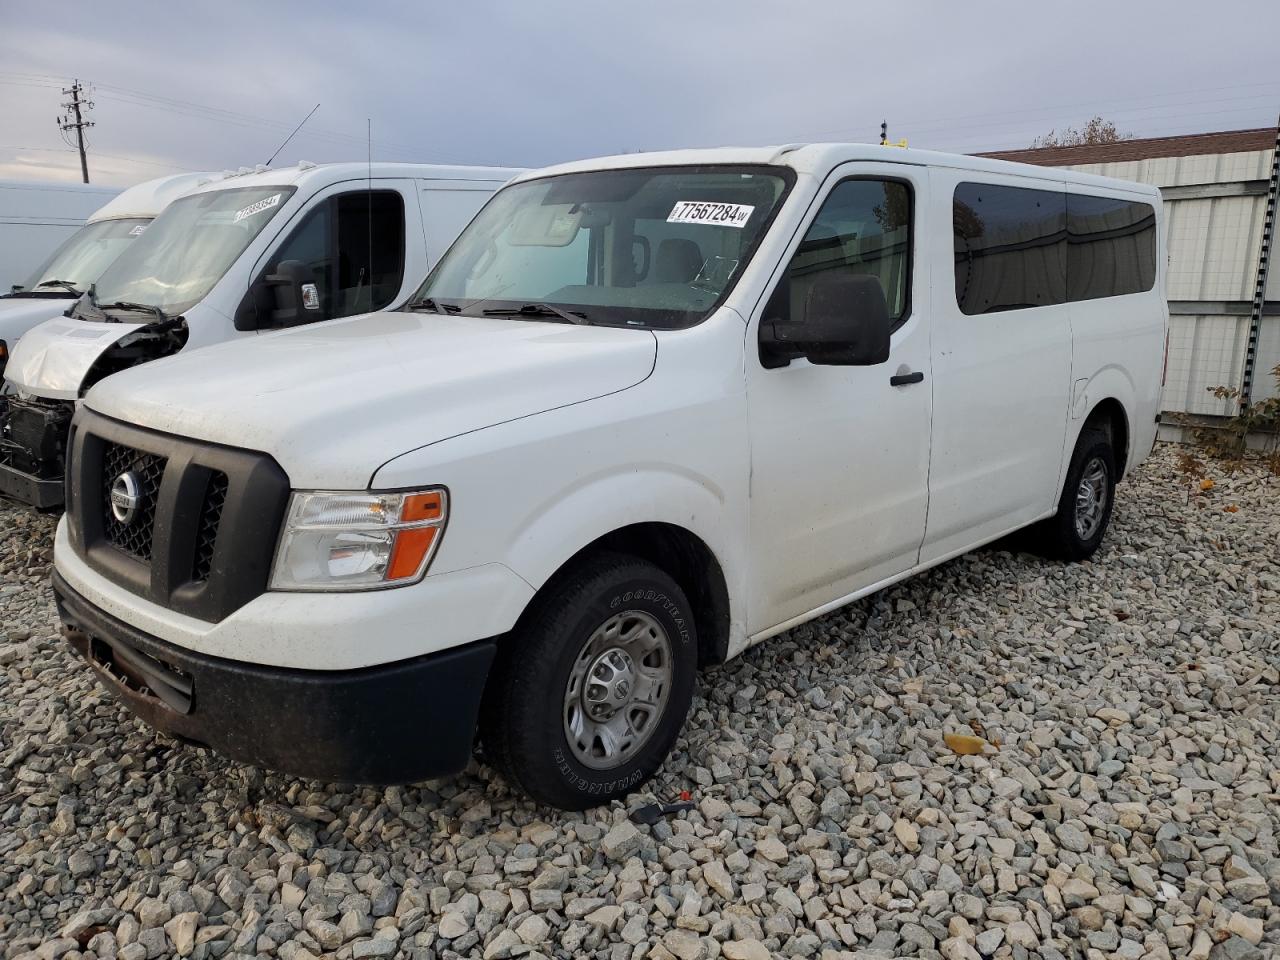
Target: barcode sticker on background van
715	214
258	207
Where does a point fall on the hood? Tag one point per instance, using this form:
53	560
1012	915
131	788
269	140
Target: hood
334	402
51	359
21	314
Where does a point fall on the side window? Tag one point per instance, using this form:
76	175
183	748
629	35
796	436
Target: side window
370	251
864	227
353	248
1010	247
1111	247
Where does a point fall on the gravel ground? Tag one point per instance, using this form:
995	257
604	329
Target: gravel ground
1126	802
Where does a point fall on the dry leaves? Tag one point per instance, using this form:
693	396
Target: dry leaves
964	744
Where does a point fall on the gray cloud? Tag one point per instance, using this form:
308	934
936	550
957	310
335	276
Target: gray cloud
494	81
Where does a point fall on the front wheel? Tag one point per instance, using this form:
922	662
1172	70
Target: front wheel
1084	509
591	691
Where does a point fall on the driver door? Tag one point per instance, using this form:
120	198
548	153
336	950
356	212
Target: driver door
840	454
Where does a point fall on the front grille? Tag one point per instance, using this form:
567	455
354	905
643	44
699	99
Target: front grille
204	548
207	528
133	537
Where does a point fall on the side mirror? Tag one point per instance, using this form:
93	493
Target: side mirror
297	300
287	298
844	322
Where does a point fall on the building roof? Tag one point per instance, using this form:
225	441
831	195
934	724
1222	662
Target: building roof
1225	141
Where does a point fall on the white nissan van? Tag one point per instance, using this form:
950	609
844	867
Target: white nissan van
250	252
645	412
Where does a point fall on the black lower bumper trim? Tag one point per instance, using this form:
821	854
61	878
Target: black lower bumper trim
34	492
397	723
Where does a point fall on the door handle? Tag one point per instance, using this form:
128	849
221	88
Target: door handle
902	379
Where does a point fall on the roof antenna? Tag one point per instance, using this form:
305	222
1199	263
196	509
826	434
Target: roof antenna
292	135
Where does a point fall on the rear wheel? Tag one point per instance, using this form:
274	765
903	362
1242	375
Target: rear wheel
1084	509
590	693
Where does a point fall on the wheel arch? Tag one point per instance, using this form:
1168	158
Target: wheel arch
1109	416
683	556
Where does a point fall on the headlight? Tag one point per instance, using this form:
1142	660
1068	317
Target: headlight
358	541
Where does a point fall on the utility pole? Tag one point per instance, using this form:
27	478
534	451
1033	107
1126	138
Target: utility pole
76	104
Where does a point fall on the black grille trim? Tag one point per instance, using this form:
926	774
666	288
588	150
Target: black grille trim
207	529
207	502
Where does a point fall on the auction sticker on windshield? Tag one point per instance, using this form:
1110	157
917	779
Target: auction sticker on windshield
716	214
264	204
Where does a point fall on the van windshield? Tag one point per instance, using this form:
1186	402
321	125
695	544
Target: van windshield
85	255
656	247
188	248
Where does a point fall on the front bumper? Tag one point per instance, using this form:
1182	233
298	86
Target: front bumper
396	723
33	491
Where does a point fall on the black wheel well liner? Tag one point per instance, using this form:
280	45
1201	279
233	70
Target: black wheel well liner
1108	415
685	558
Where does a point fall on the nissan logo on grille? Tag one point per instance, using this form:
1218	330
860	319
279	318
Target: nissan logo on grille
126	497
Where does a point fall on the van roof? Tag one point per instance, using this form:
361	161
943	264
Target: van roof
317	175
818	159
148	198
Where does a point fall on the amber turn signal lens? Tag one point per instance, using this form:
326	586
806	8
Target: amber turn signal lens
411	548
421	507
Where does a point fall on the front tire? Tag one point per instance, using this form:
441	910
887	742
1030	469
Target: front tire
590	692
1084	509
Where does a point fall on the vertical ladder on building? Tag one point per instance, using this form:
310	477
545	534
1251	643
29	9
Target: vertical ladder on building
1260	285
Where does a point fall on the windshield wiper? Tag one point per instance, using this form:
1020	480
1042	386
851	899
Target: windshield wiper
435	306
538	310
161	316
65	284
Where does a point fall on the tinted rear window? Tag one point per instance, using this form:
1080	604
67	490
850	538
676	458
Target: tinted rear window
1010	247
1111	247
1017	247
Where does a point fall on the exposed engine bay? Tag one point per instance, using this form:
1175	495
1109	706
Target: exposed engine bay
33	442
34	429
149	342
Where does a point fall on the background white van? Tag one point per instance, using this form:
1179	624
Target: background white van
249	253
68	272
36	217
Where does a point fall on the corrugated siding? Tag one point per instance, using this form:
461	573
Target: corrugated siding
1213	247
1204	352
1264	381
1187	171
1213	251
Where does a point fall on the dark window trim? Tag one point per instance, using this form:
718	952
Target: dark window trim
819	202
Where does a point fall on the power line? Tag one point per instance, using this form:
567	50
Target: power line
97	153
78	107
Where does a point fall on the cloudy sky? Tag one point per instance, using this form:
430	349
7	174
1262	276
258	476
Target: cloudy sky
198	86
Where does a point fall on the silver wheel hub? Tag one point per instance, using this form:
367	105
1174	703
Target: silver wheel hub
617	689
1091	499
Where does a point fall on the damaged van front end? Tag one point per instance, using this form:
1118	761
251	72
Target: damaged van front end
49	370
